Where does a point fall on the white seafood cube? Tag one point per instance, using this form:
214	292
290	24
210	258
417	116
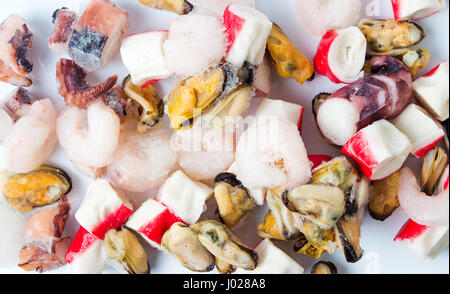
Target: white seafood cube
143	56
380	149
272	260
433	92
278	108
86	254
415	9
185	197
247	30
151	221
258	195
103	209
262	80
422	131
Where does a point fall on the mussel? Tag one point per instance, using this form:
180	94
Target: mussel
233	200
279	223
319	237
224	245
433	165
387	35
178	6
288	60
321	204
223	267
182	242
384	197
37	188
124	247
151	106
348	233
324	268
221	91
303	247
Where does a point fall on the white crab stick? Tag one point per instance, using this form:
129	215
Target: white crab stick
143	56
86	254
341	55
380	149
258	195
278	108
103	209
272	260
6	124
425	242
185	197
263	78
422	131
415	9
432	90
247	30
152	220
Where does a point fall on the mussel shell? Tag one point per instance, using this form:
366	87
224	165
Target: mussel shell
224	245
433	165
182	242
348	232
324	268
40	187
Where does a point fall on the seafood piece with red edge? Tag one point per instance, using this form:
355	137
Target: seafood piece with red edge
87	254
64	21
247	30
380	149
341	55
423	132
143	56
152	220
432	90
185	197
272	260
278	108
425	241
102	209
16	41
415	9
382	95
97	34
318	160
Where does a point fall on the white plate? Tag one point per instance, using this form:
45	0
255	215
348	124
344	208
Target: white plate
382	255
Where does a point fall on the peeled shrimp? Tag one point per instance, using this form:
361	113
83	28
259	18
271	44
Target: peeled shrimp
270	154
142	161
318	16
423	209
204	153
95	145
32	139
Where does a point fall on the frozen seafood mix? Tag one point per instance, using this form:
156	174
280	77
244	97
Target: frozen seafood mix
165	140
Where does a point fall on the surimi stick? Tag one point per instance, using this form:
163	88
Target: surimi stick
415	9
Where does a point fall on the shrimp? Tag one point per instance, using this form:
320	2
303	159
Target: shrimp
421	208
32	139
271	153
204	153
95	145
142	161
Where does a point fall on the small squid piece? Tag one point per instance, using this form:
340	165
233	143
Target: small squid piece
288	60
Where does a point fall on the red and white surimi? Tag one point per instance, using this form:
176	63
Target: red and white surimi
341	55
380	149
432	90
86	254
143	56
185	197
278	108
415	9
151	221
247	30
103	209
422	131
425	242
272	260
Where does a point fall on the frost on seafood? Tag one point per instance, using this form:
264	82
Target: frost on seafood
16	40
64	21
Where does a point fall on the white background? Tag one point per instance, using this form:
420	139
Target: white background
382	255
